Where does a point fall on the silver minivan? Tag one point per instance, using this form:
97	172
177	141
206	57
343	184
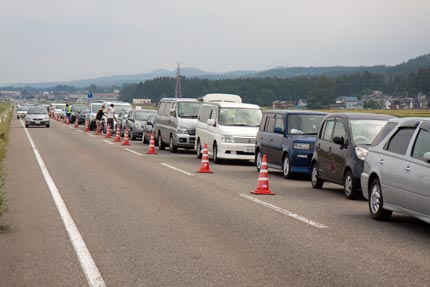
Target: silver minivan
396	170
176	121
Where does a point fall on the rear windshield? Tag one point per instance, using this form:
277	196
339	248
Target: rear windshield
119	107
365	131
304	124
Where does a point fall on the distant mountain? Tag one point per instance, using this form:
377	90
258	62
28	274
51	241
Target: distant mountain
405	68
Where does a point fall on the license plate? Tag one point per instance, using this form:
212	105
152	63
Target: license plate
248	149
37	122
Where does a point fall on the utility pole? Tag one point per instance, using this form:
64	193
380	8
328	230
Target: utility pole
178	90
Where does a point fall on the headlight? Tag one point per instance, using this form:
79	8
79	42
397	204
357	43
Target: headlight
361	152
301	146
138	125
180	130
227	139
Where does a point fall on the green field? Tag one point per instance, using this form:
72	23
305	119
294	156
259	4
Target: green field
4	134
396	113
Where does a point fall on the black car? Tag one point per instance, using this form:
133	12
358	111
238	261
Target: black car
78	111
341	148
287	138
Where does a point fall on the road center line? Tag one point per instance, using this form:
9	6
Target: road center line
88	265
177	169
286	212
106	141
132	151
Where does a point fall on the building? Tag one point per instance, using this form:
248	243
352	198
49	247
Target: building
349	103
142	101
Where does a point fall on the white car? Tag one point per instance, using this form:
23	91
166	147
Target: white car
21	112
37	116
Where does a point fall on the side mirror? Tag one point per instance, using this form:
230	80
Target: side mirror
339	140
149	124
173	112
426	157
211	122
278	130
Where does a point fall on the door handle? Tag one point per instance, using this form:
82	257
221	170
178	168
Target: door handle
381	161
271	140
408	168
329	150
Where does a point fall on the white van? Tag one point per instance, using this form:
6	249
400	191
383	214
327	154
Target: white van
228	126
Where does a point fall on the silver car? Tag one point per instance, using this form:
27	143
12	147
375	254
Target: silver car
397	168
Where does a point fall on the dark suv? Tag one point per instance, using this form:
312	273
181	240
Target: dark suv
341	148
287	138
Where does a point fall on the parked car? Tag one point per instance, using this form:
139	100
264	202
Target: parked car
78	110
59	109
37	116
396	170
341	148
91	114
148	128
121	121
287	138
176	123
118	107
21	112
135	121
228	127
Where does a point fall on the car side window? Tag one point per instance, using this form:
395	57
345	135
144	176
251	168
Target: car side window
383	133
328	130
422	145
263	122
204	115
270	126
167	108
399	142
279	123
339	130
161	108
213	114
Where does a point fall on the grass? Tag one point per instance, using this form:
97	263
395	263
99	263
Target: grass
396	113
4	137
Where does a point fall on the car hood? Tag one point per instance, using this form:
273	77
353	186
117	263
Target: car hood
189	124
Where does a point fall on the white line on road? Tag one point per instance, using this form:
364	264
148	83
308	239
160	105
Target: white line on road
80	131
106	141
88	265
92	135
132	151
286	212
177	169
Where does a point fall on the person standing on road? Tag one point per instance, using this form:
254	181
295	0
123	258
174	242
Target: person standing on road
68	112
99	118
111	116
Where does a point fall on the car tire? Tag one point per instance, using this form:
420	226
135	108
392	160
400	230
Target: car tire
317	183
286	167
216	159
258	160
26	125
376	202
199	149
172	147
47	126
161	144
350	186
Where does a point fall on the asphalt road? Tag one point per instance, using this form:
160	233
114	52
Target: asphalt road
150	220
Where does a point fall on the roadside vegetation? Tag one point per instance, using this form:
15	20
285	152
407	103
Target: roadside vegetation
5	115
396	113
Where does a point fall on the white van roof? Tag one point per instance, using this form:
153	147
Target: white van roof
221	98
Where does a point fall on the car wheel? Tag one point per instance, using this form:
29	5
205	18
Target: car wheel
350	186
258	160
215	154
172	147
47	126
317	182
161	144
26	125
199	149
376	202
286	167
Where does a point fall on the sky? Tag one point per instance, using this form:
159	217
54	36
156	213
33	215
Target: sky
61	40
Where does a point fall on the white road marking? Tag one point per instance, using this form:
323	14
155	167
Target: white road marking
177	169
286	212
80	131
88	265
92	135
106	141
132	151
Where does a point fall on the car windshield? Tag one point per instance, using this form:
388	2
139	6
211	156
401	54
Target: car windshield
37	111
304	124
240	117
79	108
143	115
188	109
364	131
60	107
119	107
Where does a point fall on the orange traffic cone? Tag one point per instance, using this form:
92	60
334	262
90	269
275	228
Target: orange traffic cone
87	126
108	135
151	149
204	166
126	141
263	179
117	135
76	123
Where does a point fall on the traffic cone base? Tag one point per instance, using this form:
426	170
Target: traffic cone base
263	179
204	166
151	149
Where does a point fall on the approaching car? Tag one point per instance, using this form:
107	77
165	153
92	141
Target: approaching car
287	138
21	112
135	121
396	170
341	148
148	128
37	116
78	111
